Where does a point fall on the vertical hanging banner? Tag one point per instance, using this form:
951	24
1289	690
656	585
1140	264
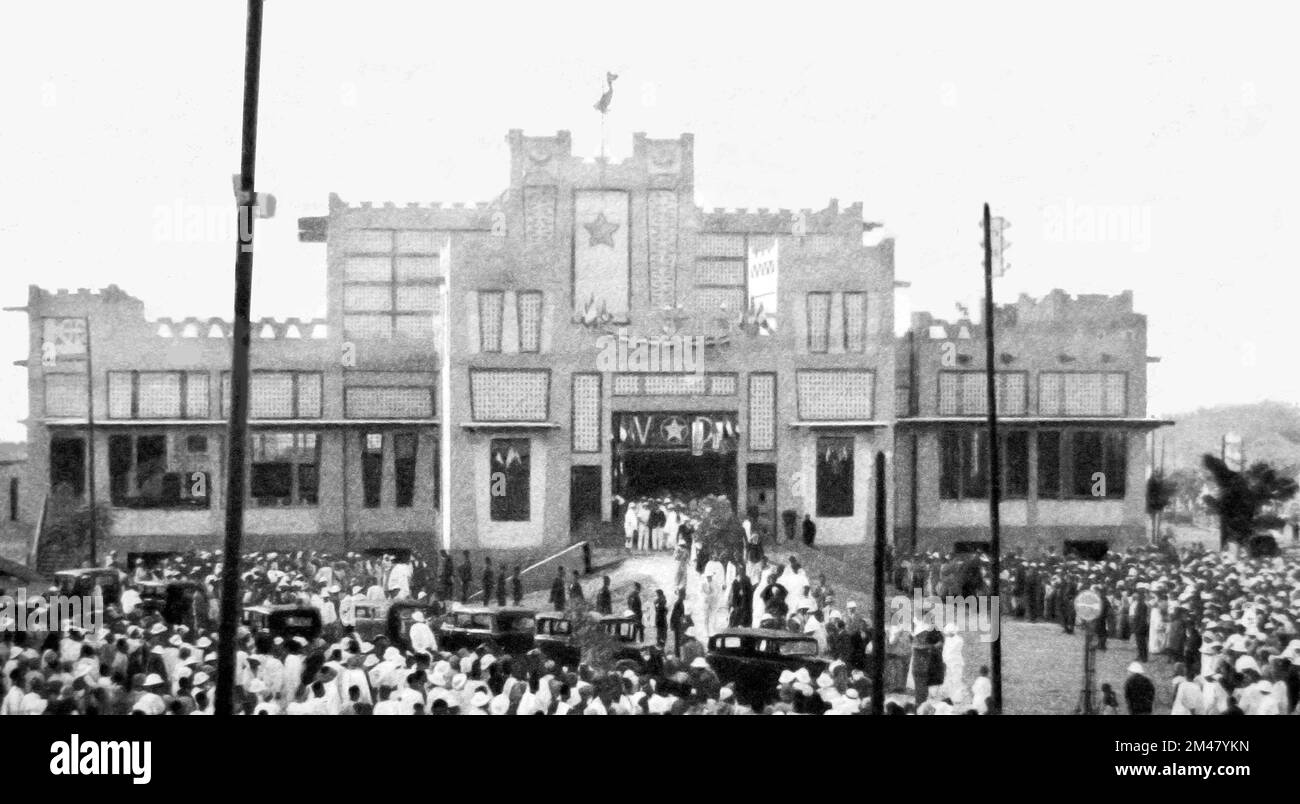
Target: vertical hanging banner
601	262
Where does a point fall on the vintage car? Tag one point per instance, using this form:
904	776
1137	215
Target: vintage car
179	602
509	628
285	620
754	658
391	618
82	582
555	640
371	618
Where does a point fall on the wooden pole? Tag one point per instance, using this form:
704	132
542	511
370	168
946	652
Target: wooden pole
878	653
238	430
995	463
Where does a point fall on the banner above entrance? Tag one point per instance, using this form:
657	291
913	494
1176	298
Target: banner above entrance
698	432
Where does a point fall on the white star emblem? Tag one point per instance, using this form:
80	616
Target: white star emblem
601	231
673	429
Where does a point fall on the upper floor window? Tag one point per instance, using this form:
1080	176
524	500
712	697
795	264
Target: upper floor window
965	393
158	395
391	283
1082	393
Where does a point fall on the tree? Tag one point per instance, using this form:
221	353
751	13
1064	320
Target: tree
595	645
719	532
1246	502
1160	492
65	543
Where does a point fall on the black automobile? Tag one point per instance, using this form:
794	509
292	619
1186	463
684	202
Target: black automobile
82	583
555	640
285	620
401	614
753	659
511	629
178	602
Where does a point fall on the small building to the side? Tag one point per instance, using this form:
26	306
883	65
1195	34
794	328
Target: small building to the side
1073	430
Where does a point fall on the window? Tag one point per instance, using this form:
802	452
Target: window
586	412
144	471
491	305
372	468
835	395
68	466
1015	464
285	469
965	462
13	499
510	479
405	446
372	402
509	395
390	283
834	476
855	321
965	393
65	394
530	321
1082	464
279	395
762	412
157	395
1082	393
1049	464
819	318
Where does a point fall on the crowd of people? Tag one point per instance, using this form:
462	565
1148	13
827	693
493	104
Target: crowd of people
1227	628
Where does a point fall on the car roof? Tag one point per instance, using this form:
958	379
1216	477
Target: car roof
280	607
765	633
494	610
86	571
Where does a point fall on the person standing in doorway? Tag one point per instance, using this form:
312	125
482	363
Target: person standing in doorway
678	620
809	530
557	590
604	598
661	619
466	573
517	587
489	582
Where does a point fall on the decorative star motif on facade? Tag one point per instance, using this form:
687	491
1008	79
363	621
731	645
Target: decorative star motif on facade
601	231
673	429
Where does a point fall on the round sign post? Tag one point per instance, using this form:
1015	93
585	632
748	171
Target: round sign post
1087	607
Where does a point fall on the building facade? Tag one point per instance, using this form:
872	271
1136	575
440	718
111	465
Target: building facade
1071	403
609	339
344	447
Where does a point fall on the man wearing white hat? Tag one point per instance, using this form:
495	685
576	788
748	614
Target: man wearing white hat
477	703
1139	692
151	703
421	635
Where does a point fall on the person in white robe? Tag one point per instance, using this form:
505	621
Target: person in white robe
981	692
399	580
629	525
421	635
954	662
1187	697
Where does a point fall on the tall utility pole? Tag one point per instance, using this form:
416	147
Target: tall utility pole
995	461
237	436
90	450
878	595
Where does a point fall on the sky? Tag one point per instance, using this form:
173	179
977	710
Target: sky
1171	127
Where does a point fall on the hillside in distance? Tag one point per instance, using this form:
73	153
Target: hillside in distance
1270	432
